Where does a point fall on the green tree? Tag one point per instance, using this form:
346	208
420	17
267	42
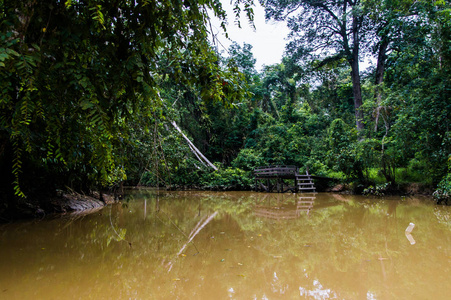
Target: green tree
324	30
243	58
76	74
417	77
342	154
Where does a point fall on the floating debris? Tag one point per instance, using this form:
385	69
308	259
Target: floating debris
410	238
408	233
410	228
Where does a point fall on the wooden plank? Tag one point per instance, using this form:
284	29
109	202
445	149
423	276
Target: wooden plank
277	174
275	171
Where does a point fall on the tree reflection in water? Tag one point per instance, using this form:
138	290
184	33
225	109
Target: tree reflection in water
238	245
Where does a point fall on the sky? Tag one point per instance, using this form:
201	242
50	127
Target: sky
268	39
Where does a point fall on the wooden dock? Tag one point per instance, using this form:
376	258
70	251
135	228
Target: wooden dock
282	179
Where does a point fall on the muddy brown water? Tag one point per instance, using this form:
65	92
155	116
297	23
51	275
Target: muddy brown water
234	245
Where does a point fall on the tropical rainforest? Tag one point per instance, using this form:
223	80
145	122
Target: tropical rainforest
94	93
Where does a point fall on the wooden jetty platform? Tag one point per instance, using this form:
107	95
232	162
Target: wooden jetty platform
278	179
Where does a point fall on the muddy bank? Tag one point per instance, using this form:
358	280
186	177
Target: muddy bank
75	202
62	203
386	189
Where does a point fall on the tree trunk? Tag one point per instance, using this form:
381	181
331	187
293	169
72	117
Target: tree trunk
357	93
355	74
380	69
194	148
381	57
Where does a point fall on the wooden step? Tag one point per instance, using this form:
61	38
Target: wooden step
304	182
305	203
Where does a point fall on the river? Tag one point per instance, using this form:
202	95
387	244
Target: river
233	245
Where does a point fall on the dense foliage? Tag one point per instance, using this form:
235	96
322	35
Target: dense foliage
82	86
90	88
303	111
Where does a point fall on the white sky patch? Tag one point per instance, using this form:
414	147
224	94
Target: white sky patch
268	39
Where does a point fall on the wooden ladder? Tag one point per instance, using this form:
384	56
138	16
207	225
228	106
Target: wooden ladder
305	183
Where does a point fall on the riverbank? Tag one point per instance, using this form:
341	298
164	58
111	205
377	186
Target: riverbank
62	203
405	189
386	189
76	203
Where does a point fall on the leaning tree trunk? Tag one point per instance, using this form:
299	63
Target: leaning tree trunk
194	149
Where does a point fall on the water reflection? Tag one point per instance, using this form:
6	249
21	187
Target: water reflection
284	206
408	233
203	245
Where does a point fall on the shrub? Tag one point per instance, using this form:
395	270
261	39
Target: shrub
230	178
247	160
443	192
377	190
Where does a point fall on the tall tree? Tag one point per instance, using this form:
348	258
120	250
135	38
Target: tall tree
325	30
392	25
